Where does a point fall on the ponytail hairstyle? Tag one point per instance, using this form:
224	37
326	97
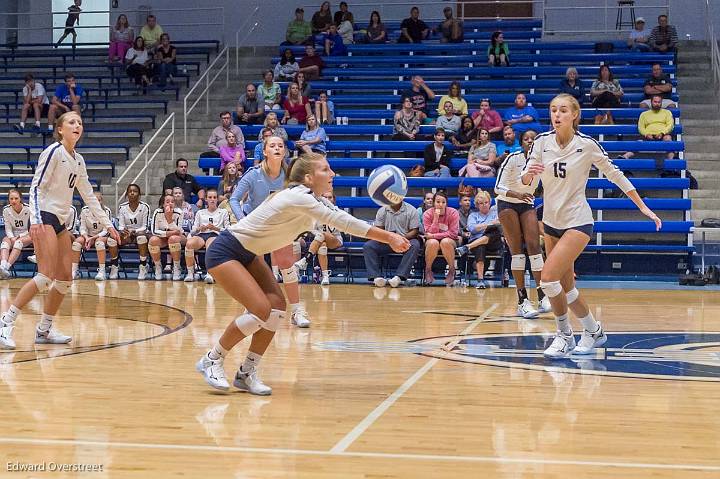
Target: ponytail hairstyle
301	166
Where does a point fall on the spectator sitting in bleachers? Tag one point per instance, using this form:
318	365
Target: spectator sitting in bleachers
343	14
657	123
231	152
521	116
572	85
188	210
638	39
482	157
449	122
442	224
68	97
297	107
305	87
451	29
287	67
658	83
16	217
324	109
322	19
455	96
485	234
151	33
465	137
426	204
376	32
258	155
230	177
413	29
333	42
313	138
165	61
464	210
437	156
489	119
269	91
184	180
346	31
663	37
406	122
35	97
605	92
298	31
509	144
311	64
403	220
419	94
250	111
271	121
121	39
72	18
217	136
138	63
498	52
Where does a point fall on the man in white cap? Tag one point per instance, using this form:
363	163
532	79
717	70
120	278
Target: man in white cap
638	40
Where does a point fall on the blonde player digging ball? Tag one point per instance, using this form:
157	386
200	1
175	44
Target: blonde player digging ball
562	158
60	170
235	260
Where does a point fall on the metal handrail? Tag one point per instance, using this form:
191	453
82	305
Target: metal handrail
148	159
225	53
237	37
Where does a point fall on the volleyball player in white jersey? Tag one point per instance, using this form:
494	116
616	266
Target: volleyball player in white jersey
516	212
93	234
325	238
59	171
258	183
209	222
562	158
167	230
236	262
133	219
16	215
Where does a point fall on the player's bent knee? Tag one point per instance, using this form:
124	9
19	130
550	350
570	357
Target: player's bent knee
42	282
536	262
18	244
154	249
141	240
274	320
112	243
77	247
4	245
248	324
551	288
62	287
99	246
572	295
517	263
289	275
174	247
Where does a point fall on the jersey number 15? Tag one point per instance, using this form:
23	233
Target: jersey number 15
560	171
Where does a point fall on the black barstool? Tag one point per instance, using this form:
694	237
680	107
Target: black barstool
623	4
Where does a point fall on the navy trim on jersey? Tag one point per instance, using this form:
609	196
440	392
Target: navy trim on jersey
504	164
42	174
586	137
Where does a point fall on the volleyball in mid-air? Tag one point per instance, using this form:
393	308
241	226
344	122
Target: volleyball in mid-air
387	185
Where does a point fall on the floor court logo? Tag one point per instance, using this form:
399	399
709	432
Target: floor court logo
652	355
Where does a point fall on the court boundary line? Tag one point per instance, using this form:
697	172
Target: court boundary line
376	455
347	440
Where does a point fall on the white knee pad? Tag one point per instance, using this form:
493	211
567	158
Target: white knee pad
18	245
319	236
572	295
536	262
141	239
289	275
174	247
99	246
42	282
4	245
154	249
248	323
111	242
297	249
551	288
189	252
62	287
518	262
323	250
77	247
276	318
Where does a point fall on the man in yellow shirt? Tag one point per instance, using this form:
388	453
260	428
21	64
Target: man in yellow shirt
657	123
151	33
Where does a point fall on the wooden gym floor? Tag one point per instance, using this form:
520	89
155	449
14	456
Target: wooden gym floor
415	382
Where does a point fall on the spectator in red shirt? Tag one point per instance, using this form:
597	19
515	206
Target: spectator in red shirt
311	64
488	119
297	107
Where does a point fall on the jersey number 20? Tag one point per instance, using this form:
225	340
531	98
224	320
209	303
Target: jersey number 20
560	171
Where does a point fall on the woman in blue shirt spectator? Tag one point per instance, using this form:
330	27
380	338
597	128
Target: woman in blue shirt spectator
313	138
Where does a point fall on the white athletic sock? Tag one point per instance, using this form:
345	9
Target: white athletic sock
589	323
217	352
251	362
11	315
563	324
276	270
5	264
296	307
326	272
101	266
75	268
22	124
45	322
176	265
37	123
50	127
